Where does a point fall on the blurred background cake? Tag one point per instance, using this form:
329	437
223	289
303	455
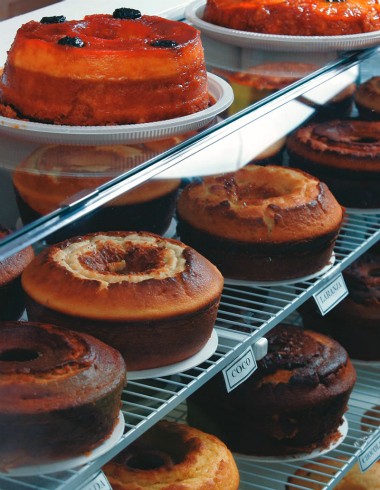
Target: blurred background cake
12	298
56	175
154	299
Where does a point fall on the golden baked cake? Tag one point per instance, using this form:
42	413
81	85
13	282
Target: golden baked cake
12	301
344	153
152	298
54	175
261	223
170	456
295	17
60	393
293	403
123	68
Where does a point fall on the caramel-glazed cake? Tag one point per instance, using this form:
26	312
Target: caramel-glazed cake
294	402
154	299
295	17
60	393
344	153
172	455
105	69
53	175
261	223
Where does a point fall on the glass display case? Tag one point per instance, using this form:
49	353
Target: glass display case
56	185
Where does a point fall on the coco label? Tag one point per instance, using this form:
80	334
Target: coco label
240	369
370	454
100	482
331	294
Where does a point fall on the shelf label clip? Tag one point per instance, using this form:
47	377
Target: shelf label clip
331	295
370	454
240	369
99	482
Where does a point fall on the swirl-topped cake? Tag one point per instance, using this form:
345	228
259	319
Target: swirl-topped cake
105	69
261	223
294	402
344	153
295	17
60	393
153	298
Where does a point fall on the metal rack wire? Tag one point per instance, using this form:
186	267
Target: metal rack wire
246	313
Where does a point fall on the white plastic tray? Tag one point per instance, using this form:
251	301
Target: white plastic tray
271	42
342	430
219	89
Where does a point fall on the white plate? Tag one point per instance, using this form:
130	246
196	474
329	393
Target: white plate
219	89
70	463
246	282
271	42
201	356
343	429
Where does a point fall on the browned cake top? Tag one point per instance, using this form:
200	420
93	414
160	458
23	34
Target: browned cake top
44	367
257	204
122	276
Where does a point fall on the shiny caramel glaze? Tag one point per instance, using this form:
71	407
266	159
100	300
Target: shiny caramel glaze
118	77
367	98
294	401
57	387
170	456
261	205
295	17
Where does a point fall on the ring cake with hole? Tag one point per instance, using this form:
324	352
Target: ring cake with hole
344	153
105	69
172	455
60	393
261	223
153	298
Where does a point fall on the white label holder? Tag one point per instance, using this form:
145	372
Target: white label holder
370	454
240	369
332	294
99	482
